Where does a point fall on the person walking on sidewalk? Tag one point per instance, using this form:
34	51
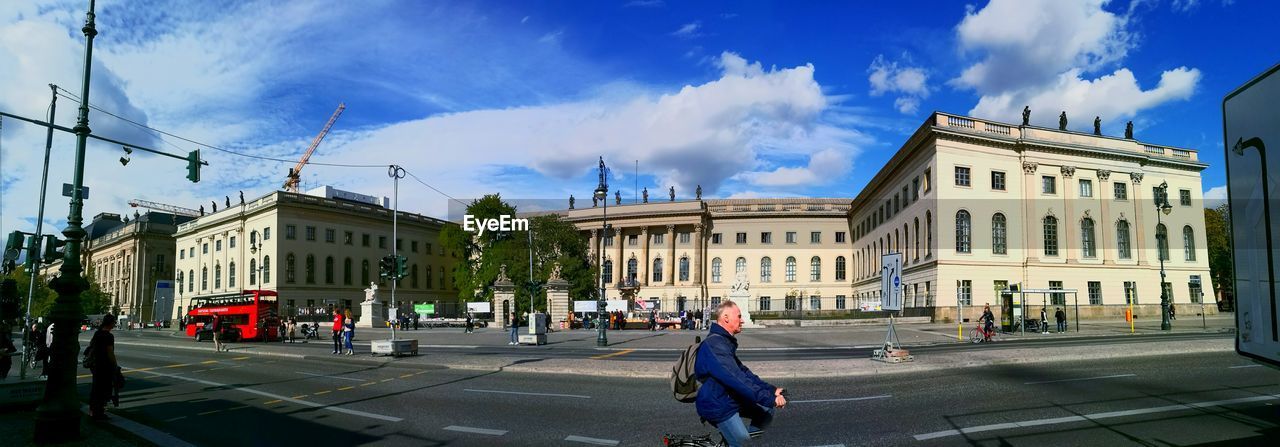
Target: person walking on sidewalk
1061	317
730	392
337	330
349	332
100	358
293	329
988	321
1173	315
515	325
1044	322
470	324
215	325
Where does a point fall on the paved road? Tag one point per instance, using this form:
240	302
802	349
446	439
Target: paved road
230	399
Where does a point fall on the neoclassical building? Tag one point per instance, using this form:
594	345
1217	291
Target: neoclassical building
316	249
973	206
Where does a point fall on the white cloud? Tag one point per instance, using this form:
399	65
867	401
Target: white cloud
911	83
1215	196
1056	56
644	3
551	37
688	30
823	166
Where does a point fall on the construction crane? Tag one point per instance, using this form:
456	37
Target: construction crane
177	210
291	181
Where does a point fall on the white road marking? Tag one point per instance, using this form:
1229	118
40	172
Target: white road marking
832	445
284	398
1076	380
482	431
331	377
838	400
450	346
592	441
1093	417
1243	366
528	394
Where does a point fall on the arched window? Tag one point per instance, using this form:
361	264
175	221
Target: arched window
791	269
204	278
346	272
633	265
964	229
428	276
328	270
608	272
1087	239
917	244
180	283
999	235
715	270
290	268
311	269
657	270
684	267
1162	242
897	241
364	272
1188	243
191	280
413	276
766	269
455	285
1050	236
840	268
906	243
253	272
740	265
815	269
231	274
217	276
1122	239
928	228
266	270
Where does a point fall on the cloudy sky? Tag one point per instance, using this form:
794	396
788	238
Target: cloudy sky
746	99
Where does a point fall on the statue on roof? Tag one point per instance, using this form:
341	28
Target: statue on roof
617	197
242	197
228	201
570	201
646	194
1026	115
1128	130
1062	121
1097	125
215	205
673	193
698	192
201	210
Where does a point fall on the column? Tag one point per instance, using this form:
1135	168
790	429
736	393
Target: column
619	264
642	269
1070	223
595	250
697	254
1033	231
1139	226
1104	214
669	266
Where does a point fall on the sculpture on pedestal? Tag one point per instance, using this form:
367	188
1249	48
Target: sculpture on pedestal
1062	121
371	293
1026	115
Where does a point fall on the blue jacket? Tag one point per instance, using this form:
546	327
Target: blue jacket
727	384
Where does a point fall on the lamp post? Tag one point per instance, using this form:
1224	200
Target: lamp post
255	271
1162	206
602	194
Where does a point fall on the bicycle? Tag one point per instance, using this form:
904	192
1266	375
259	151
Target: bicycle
676	440
978	334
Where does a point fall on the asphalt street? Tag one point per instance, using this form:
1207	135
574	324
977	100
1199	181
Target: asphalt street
230	399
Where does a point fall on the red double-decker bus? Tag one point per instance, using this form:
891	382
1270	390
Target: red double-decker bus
248	315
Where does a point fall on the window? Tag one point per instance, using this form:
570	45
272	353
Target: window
657	270
1184	197
815	302
455	286
657	239
766	237
364	272
180	282
915	189
1122	239
684	268
999	234
1048	185
928	225
740	265
328	270
715	270
840	268
399	244
964	227
382	242
266	235
290	232
840	302
815	237
1162	242
1095	293
715	238
311	269
965	293
927	186
766	270
633	266
815	269
962	176
1194	289
427	247
266	269
895	203
1122	191
193	252
1168	291
217	276
330	235
413	246
347	237
1050	236
917	242
633	239
1057	298
311	233
791	269
1188	244
217	245
364	240
231	243
182	254
427	277
791	237
253	272
290	268
790	303
346	272
997	180
740	238
684	238
1086	187
413	276
906	199
765	303
1087	240
204	278
231	274
191	280
608	241
840	237
204	248
608	272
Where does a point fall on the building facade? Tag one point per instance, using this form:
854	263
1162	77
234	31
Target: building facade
973	206
316	250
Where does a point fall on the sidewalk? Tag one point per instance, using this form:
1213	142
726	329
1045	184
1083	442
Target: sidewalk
18	425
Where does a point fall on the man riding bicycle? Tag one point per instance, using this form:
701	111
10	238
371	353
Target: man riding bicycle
989	321
730	391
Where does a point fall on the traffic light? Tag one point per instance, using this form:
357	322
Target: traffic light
386	266
13	246
51	246
402	267
33	248
193	166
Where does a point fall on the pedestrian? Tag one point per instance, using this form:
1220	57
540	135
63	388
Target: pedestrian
470	322
337	330
215	325
988	321
349	332
653	321
515	324
36	338
100	358
7	350
1061	317
291	329
730	392
1044	322
1173	315
415	321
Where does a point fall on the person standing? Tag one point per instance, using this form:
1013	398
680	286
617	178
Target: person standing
337	330
730	392
470	323
1044	322
7	350
101	360
292	329
988	321
1061	317
349	332
215	325
515	325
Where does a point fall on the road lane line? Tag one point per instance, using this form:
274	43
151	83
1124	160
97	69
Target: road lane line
622	352
482	431
885	396
528	394
331	377
207	413
272	402
1243	366
386	380
295	400
299	396
406	376
1093	417
1086	378
368	383
592	441
175	419
345	388
317	393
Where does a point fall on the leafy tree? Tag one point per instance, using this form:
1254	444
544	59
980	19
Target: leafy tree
1217	226
92	301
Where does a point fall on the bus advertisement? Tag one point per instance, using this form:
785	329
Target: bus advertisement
248	315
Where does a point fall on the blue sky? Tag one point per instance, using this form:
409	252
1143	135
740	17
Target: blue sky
747	99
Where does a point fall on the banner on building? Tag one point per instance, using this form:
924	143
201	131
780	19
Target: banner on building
163	300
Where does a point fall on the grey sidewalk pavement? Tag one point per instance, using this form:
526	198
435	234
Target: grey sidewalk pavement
448	348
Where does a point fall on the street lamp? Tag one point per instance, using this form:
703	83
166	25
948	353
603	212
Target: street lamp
1162	206
602	194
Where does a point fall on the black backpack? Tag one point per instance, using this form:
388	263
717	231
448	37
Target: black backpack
684	381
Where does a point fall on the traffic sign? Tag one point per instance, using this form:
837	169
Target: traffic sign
1249	115
891	281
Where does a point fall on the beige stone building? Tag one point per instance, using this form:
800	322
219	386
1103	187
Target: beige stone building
316	250
973	206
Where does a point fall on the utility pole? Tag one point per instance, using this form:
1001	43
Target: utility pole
27	349
396	173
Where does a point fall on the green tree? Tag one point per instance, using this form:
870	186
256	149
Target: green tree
1217	226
